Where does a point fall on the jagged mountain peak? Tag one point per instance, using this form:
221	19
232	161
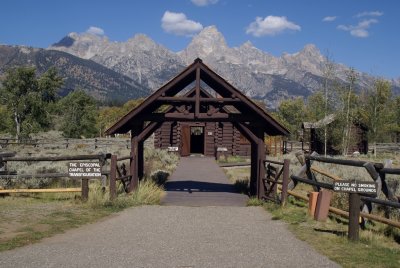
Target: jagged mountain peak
310	50
142	42
84	45
257	73
209	36
208	42
86	37
141	38
247	45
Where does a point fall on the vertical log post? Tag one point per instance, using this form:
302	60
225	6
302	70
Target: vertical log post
261	174
270	145
134	166
85	189
285	182
253	169
140	157
261	164
197	96
113	175
354	215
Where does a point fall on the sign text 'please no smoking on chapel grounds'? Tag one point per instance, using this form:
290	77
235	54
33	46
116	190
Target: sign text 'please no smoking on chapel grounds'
357	187
84	169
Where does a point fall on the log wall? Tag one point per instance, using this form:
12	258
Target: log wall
215	135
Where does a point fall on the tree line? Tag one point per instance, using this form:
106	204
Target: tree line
372	106
30	103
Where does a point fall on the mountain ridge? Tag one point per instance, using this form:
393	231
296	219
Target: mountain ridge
257	73
98	81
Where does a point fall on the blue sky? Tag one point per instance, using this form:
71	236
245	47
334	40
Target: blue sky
363	34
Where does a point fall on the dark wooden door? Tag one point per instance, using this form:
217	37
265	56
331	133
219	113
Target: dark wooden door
185	140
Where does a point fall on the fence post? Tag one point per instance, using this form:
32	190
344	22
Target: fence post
85	189
354	215
113	174
285	181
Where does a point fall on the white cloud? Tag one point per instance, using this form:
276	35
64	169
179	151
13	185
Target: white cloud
95	30
271	25
202	3
329	18
177	23
359	30
369	14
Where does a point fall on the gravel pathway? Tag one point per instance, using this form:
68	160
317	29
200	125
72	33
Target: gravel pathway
173	236
199	181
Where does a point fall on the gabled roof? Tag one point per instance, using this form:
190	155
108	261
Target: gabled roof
321	123
197	72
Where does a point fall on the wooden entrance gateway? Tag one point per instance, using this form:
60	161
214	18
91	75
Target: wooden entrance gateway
188	100
192	139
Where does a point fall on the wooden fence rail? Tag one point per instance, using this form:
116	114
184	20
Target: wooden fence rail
122	173
274	170
9	157
377	172
66	143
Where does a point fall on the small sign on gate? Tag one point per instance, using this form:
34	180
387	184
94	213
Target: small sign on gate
356	187
84	169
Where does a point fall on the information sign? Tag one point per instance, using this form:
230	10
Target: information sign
84	169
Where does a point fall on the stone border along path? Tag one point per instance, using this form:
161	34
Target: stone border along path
223	233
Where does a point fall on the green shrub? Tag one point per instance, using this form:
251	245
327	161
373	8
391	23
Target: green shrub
157	159
242	186
255	202
148	193
159	177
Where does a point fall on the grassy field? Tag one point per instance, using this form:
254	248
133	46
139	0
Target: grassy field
378	246
27	218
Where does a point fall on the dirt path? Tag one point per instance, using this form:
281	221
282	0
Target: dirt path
173	236
199	181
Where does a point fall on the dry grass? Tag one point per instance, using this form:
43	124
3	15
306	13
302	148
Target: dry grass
348	173
27	218
330	238
239	177
233	159
379	245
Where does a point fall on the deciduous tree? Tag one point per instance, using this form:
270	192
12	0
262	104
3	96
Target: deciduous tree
80	113
26	97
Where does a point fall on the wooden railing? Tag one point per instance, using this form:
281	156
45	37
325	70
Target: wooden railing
119	173
276	173
5	158
66	143
377	171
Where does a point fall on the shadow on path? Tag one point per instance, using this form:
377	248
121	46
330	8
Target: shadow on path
199	181
199	186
